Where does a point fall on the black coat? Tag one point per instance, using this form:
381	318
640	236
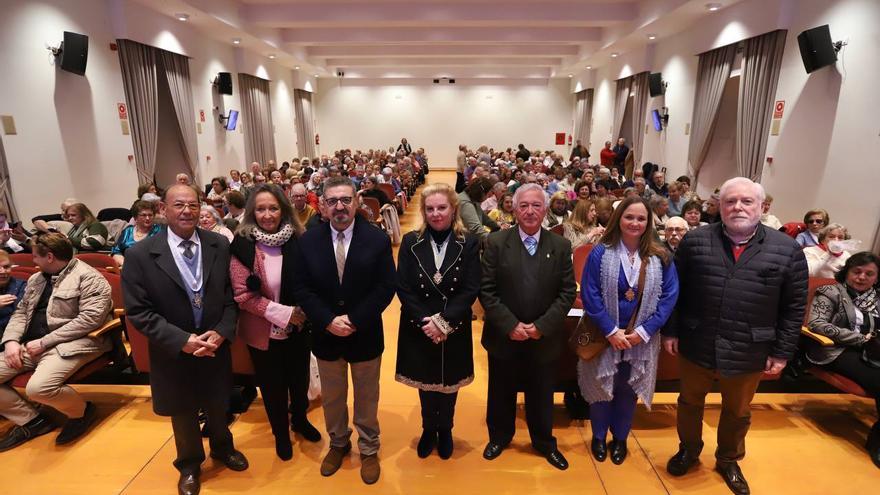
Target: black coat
421	363
367	287
157	304
731	315
501	289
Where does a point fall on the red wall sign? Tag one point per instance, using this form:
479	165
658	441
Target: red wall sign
778	109
123	112
202	115
560	138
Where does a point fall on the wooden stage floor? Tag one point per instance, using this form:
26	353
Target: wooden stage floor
799	444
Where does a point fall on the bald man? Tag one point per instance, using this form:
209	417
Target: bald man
304	211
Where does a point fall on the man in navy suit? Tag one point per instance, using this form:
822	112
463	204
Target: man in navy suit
346	278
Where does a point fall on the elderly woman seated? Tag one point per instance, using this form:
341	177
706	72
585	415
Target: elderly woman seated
659	209
143	213
848	313
557	211
209	219
87	233
828	257
503	213
816	220
692	212
581	227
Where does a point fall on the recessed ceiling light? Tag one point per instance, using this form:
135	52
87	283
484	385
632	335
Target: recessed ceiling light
316	75
713	7
296	68
182	17
272	56
571	75
589	67
614	55
652	36
236	41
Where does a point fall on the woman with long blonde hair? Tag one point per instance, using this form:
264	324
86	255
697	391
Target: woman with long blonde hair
438	278
582	227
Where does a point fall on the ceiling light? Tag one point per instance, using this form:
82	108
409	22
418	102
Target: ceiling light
182	17
296	68
652	36
571	75
236	41
713	7
316	75
589	67
272	56
614	55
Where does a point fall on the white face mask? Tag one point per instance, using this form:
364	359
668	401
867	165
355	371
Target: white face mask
850	246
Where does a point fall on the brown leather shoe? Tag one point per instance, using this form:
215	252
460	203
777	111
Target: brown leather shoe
189	484
333	460
370	468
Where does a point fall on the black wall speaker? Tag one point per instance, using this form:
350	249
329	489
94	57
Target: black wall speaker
655	84
224	83
817	49
74	53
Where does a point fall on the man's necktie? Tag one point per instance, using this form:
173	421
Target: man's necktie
531	245
340	255
187	249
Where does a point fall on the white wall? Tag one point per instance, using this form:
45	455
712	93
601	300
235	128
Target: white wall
360	115
69	141
828	143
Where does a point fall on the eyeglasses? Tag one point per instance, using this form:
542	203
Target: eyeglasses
332	202
815	220
186	206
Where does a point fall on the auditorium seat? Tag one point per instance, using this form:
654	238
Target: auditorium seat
558	229
100	261
140	353
579	260
106	214
22	259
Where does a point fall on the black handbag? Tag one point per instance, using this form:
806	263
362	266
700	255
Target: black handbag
871	348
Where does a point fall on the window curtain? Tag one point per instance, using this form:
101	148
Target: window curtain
583	115
6	201
256	114
713	71
762	59
176	70
624	86
305	125
639	112
139	78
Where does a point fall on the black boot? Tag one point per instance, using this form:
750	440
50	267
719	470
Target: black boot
444	443
427	442
873	444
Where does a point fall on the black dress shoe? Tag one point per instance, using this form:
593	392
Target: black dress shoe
284	449
618	451
234	460
599	449
682	462
492	450
733	477
306	429
557	460
426	443
76	427
21	434
444	444
188	484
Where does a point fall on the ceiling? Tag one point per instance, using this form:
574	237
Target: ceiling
427	39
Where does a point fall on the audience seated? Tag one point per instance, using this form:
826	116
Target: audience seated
209	219
848	313
676	200
827	257
673	231
234	202
218	188
301	208
49	333
492	199
11	290
142	213
692	212
685	183
768	218
557	212
86	232
473	217
62	225
711	212
581	227
659	209
816	220
658	184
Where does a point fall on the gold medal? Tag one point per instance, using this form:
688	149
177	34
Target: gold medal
630	294
197	301
437	277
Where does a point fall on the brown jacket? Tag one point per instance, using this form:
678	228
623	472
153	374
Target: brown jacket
80	303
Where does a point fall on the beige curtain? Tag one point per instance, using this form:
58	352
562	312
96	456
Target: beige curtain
762	59
176	71
639	112
6	201
139	78
256	115
305	124
713	71
621	97
583	114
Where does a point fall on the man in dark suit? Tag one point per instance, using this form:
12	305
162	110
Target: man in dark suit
739	314
527	289
345	280
620	151
177	293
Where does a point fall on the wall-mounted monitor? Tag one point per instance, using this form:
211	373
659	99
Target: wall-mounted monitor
232	120
658	120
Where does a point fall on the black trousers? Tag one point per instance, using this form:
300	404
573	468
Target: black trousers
850	364
283	375
188	436
438	409
537	380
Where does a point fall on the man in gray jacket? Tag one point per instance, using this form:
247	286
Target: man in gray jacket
739	313
49	335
